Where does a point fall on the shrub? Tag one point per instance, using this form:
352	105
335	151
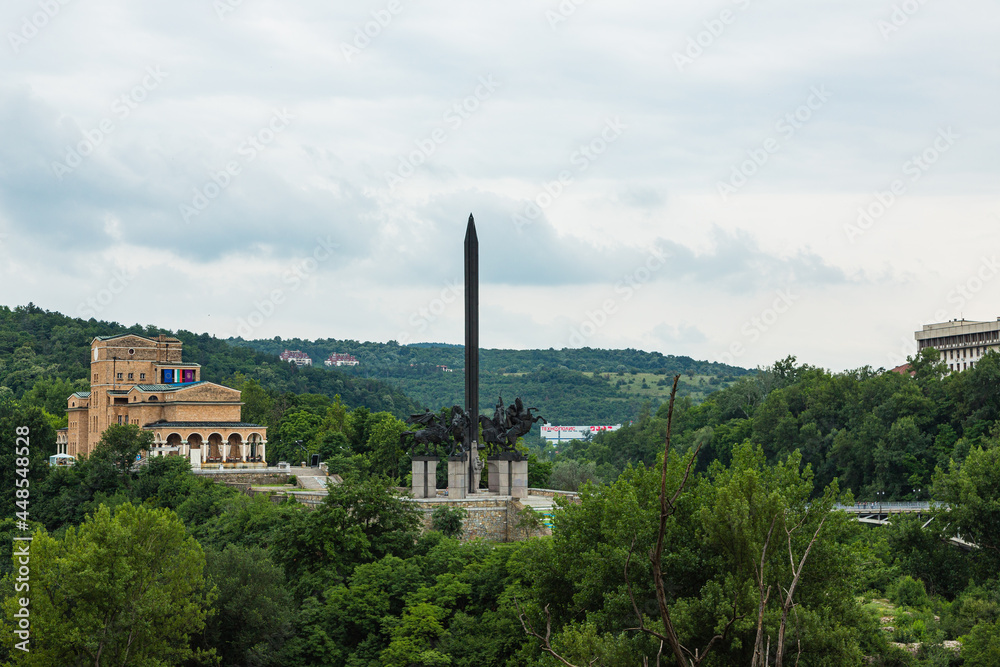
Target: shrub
448	520
909	592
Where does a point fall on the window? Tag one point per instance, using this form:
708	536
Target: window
119	376
95	377
119	419
142	376
131	376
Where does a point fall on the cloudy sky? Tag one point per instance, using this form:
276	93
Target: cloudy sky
735	180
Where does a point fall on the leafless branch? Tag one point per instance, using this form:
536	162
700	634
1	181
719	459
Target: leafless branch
545	640
628	584
791	588
764	595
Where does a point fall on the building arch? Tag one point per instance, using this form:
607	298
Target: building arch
255	442
235	449
215	446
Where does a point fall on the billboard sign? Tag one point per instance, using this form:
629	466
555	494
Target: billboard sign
557	433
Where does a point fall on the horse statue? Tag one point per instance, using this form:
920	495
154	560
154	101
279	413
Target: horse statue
434	433
458	429
507	425
496	438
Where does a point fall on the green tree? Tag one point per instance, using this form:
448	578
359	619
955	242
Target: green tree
124	589
571	475
51	394
417	638
971	490
386	452
120	446
254	609
448	520
26	440
981	647
358	522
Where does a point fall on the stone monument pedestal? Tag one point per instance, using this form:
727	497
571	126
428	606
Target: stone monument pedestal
519	479
508	474
424	484
458	476
499	475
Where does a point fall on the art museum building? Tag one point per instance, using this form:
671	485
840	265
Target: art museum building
144	381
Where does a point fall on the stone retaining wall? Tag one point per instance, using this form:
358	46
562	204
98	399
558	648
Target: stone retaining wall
486	518
552	493
256	478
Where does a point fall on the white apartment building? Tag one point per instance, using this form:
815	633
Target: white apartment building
961	343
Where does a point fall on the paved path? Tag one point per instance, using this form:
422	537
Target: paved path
312	483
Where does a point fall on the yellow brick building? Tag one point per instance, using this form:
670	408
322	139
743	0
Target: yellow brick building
144	381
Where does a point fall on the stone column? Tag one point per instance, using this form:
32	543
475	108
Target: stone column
519	479
499	471
458	476
493	475
424	477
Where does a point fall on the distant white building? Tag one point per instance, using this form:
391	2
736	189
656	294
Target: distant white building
558	433
296	357
960	343
337	359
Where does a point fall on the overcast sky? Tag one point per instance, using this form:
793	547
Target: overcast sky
731	180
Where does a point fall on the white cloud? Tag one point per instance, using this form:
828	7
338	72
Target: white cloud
656	186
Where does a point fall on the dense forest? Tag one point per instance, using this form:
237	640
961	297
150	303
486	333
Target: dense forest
569	386
873	431
702	535
151	565
36	344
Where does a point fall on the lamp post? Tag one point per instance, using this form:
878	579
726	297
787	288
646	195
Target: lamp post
880	496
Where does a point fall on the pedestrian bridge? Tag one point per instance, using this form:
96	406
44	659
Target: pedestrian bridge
879	513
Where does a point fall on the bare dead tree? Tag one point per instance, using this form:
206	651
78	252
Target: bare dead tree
683	656
797	573
758	647
546	644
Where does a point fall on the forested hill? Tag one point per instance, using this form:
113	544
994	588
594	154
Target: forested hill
881	434
570	386
382	355
39	345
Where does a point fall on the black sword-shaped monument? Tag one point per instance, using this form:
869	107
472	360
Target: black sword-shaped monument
508	468
472	347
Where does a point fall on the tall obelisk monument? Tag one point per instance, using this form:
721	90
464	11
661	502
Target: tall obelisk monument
472	348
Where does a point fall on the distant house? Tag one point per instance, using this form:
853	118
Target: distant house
296	357
337	359
445	369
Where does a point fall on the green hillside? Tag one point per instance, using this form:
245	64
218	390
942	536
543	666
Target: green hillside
569	386
36	344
